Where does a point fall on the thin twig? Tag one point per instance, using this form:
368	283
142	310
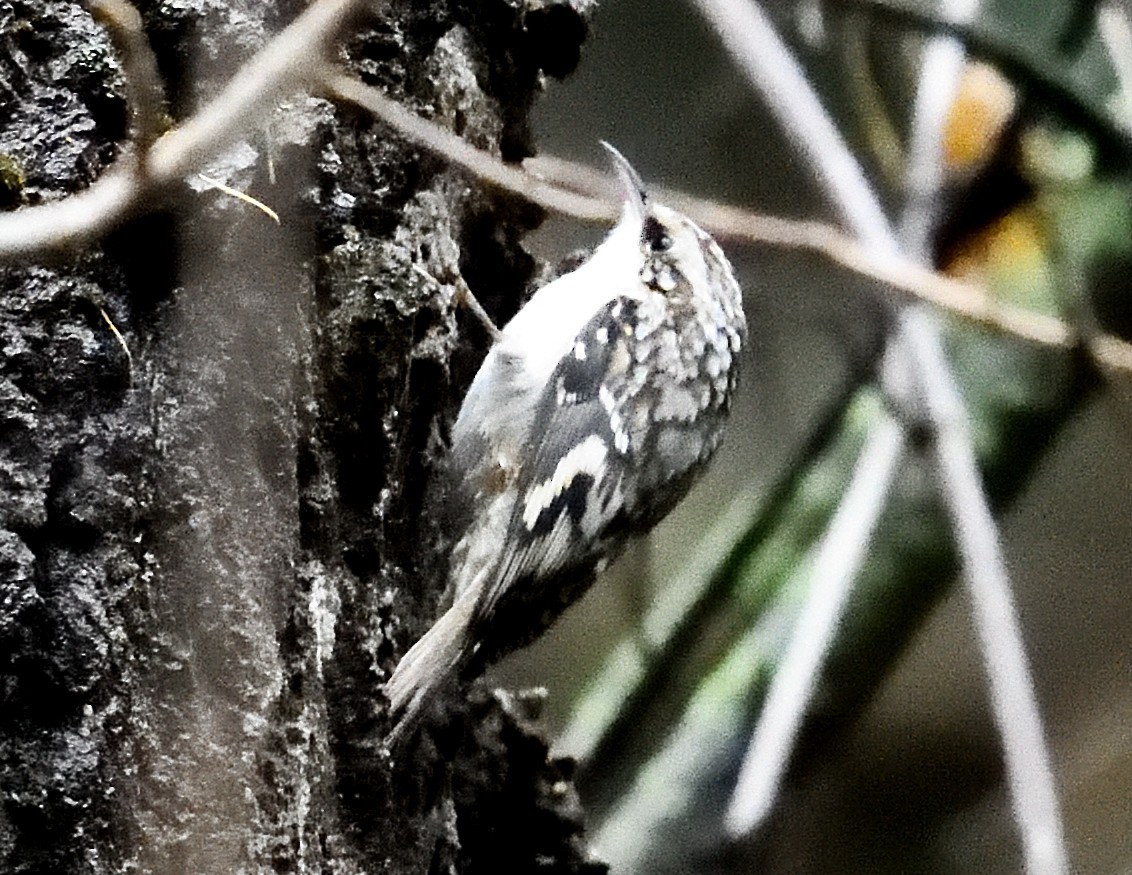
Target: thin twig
77	219
605	734
749	36
1028	768
139	65
239	195
941	68
775	73
1116	34
1052	91
291	62
1017	716
118	336
836	564
1029	772
572	189
584	193
904	276
483	165
758	51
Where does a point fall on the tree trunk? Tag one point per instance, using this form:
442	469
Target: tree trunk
214	544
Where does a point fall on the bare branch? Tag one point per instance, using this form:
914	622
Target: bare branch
74	220
1028	768
481	164
941	67
1029	772
758	51
139	65
566	187
584	193
905	276
291	62
775	73
1116	33
836	564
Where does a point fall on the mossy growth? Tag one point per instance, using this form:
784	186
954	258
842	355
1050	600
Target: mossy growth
11	182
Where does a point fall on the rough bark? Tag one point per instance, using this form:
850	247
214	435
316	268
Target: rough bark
215	547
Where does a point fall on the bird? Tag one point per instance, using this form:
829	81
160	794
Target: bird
595	410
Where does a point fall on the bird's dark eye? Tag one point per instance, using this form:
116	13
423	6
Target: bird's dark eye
654	234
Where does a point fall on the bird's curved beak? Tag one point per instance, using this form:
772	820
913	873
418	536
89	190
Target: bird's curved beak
633	189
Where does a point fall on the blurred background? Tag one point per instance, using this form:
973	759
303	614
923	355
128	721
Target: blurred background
899	768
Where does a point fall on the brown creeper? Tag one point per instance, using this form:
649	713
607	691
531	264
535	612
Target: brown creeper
587	422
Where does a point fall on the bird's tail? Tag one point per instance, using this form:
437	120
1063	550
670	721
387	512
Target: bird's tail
428	665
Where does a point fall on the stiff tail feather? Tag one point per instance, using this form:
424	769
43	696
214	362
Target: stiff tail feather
428	665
